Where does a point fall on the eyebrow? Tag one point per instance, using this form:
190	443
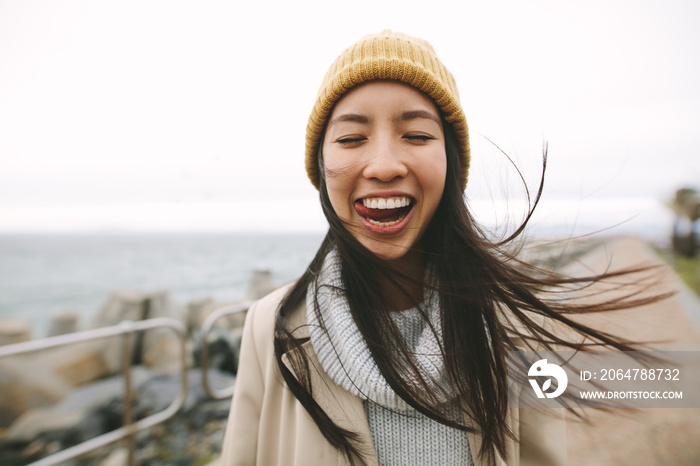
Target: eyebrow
420	114
349	117
406	116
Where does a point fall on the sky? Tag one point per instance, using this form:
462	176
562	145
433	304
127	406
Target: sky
161	115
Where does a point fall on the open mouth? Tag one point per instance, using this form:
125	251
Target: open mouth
384	211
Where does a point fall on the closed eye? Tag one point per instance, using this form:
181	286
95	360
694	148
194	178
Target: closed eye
418	137
350	140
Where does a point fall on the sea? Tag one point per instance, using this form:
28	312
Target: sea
43	272
40	273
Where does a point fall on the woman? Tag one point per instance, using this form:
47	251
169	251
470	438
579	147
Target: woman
390	349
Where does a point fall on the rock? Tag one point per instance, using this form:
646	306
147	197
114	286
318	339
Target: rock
190	436
161	347
196	311
237	337
158	305
118	457
63	320
41	379
14	331
86	412
162	350
94	395
210	411
39	433
34	423
121	305
224	338
25	384
233	321
230	321
155	347
77	364
260	284
132	305
222	348
159	391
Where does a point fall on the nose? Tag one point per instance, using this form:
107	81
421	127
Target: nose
385	162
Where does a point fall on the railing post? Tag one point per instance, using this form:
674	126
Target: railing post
130	428
208	324
127	360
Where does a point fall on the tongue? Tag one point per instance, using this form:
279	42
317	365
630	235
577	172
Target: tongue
380	214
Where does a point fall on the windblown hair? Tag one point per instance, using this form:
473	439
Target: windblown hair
488	297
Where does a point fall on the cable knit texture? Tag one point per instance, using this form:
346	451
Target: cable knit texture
401	435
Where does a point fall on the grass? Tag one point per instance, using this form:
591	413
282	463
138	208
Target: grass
688	268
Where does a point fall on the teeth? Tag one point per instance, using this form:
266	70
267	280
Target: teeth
388	203
385	224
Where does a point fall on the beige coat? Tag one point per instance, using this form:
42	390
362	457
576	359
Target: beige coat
268	426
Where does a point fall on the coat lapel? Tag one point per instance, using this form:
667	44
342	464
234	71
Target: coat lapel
344	408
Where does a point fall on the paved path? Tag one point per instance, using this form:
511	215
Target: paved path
646	436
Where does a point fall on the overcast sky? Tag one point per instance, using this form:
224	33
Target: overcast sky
190	115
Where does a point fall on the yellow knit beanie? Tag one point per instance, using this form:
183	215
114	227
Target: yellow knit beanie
394	56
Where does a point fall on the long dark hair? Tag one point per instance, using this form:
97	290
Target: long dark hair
488	297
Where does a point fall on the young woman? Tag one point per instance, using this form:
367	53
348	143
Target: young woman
390	349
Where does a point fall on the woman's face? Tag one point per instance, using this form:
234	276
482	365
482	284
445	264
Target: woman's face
385	162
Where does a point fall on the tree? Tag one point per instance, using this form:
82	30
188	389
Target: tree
686	205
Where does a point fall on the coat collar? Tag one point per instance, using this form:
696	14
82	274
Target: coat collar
344	408
341	406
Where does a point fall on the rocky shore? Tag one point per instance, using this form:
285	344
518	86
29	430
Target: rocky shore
54	399
192	436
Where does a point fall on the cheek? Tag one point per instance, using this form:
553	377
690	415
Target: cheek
433	174
339	182
334	192
338	193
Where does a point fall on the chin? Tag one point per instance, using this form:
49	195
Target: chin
383	250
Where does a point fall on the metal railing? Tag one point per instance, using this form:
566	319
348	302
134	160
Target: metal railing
207	326
127	329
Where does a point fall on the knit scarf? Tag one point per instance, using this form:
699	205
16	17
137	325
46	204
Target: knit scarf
343	352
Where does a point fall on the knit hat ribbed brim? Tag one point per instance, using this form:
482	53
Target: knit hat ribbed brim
394	56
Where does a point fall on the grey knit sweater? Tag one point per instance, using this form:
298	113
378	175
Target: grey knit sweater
401	435
407	437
